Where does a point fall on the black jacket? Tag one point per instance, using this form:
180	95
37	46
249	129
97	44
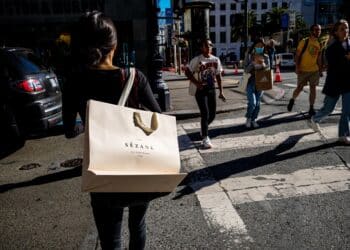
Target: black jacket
105	86
337	81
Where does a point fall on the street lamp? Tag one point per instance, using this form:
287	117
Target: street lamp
159	86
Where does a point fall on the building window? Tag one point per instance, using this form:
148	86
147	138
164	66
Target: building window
222	37
242	6
254	6
45	9
223	6
274	5
212	37
76	8
222	21
233	6
284	5
263	19
263	6
57	7
212	21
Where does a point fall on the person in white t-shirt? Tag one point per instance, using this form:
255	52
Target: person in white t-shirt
204	71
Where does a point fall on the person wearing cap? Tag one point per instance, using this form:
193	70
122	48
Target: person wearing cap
204	70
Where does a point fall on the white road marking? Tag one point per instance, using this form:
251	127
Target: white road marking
253	141
216	206
239	120
291	85
303	182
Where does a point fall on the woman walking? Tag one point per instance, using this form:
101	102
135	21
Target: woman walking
337	83
255	59
94	42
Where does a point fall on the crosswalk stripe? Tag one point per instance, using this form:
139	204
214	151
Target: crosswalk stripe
240	120
216	206
303	182
253	141
291	85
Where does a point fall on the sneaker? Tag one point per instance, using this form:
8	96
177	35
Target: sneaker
248	123
311	111
255	124
344	140
290	105
206	144
314	125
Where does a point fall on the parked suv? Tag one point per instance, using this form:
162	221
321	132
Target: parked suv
30	96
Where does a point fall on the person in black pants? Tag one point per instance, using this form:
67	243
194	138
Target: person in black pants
94	76
204	70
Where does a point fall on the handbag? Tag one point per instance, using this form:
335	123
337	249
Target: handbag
263	79
129	150
242	85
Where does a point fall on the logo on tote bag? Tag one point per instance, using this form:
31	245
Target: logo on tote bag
139	123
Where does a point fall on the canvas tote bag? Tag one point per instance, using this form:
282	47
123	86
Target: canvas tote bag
242	85
129	150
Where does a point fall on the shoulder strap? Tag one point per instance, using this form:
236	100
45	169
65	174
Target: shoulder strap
303	50
127	88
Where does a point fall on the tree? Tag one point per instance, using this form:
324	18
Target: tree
237	25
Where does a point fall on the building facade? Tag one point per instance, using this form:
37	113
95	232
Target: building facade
324	12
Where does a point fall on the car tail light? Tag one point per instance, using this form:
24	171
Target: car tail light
31	85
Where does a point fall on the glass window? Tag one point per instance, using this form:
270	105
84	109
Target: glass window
254	6
223	6
57	7
274	5
263	6
222	21
27	63
212	37
284	5
76	8
212	21
222	37
242	6
233	6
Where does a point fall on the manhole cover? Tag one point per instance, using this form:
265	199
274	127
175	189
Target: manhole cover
72	163
30	166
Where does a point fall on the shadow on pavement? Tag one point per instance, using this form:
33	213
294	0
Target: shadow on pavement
62	175
226	169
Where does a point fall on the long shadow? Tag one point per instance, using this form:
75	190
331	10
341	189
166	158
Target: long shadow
263	123
226	169
67	174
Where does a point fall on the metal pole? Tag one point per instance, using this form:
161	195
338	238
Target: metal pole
245	25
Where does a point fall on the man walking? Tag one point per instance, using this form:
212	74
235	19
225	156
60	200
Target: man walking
308	66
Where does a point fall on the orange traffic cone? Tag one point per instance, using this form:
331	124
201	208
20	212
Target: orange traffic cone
278	77
236	70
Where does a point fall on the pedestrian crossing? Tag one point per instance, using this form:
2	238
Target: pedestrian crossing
218	198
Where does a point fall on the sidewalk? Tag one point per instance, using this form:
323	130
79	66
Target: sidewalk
183	106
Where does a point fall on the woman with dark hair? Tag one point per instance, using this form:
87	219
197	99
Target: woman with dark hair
336	85
255	59
204	71
94	76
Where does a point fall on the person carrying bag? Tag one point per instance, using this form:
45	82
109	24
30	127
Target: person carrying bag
96	80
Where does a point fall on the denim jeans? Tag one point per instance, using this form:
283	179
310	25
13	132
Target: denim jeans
329	103
328	107
254	98
206	100
108	215
344	128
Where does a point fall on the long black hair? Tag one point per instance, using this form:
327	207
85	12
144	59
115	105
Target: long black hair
93	38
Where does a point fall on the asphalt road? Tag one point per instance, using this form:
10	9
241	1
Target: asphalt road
279	186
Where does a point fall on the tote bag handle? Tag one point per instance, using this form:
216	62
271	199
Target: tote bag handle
128	86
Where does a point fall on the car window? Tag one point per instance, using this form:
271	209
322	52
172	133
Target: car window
288	57
27	63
